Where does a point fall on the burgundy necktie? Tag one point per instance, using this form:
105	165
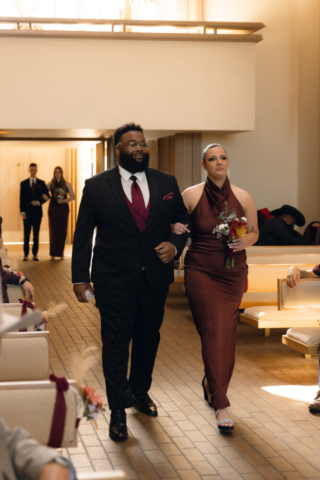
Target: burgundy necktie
137	197
33	187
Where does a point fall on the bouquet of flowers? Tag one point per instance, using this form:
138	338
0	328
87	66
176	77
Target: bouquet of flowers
60	193
230	229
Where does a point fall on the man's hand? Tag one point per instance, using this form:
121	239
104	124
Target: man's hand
54	471
293	277
23	216
179	228
80	289
34	203
28	291
166	252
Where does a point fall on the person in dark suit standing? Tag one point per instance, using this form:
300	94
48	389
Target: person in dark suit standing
132	207
31	200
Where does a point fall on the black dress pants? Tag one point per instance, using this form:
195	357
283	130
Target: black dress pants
33	222
129	314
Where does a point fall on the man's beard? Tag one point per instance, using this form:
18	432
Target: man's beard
131	165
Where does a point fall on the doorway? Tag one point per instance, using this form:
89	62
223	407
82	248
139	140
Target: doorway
79	161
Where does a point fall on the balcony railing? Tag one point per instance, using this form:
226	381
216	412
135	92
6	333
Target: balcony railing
130	29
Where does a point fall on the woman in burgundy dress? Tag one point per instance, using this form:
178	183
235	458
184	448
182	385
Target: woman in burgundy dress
215	291
58	212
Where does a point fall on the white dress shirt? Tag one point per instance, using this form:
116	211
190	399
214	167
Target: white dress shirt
141	181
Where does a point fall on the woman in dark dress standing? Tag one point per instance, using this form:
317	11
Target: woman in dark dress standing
58	212
215	291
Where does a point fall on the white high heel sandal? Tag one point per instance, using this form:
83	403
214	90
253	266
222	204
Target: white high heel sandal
224	428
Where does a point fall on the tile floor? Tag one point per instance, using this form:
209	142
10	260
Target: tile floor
275	436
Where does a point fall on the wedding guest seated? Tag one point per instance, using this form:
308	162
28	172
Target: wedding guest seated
11	278
295	274
293	278
279	230
24	458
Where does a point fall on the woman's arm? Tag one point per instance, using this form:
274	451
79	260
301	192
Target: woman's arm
252	222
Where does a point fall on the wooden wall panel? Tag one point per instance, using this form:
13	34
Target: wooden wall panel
166	154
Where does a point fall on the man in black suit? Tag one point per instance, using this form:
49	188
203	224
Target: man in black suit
31	200
132	207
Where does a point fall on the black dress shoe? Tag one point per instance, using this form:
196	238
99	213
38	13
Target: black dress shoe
36	259
118	426
25	259
145	404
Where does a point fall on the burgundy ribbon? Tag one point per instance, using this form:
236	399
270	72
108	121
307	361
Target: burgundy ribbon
25	305
59	413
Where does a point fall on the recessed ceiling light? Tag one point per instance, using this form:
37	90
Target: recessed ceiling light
5	133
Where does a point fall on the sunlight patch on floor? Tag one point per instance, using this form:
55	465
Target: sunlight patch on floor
303	393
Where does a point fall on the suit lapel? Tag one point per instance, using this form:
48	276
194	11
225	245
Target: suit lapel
152	177
116	186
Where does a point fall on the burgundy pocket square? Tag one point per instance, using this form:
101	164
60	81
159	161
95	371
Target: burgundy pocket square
169	196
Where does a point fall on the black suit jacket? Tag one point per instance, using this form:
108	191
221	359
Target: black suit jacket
26	197
120	248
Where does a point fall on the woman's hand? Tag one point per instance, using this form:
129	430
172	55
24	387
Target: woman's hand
28	291
237	245
60	200
179	228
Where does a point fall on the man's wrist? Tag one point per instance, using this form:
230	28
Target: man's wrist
175	248
303	274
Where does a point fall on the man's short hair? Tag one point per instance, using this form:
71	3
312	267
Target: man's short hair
33	165
128	127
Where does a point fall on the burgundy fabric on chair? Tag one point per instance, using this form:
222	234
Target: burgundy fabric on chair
59	414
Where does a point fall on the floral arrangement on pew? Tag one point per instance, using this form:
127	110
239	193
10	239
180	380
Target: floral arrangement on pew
230	229
89	400
11	269
53	310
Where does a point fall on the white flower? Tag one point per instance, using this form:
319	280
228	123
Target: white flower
222	226
243	219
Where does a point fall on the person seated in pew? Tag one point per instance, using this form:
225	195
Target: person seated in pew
293	278
10	278
279	230
24	458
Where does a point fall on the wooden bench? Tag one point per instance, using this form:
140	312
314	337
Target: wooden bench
298	307
305	340
30	405
263	272
24	356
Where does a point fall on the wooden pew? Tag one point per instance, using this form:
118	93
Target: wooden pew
299	307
